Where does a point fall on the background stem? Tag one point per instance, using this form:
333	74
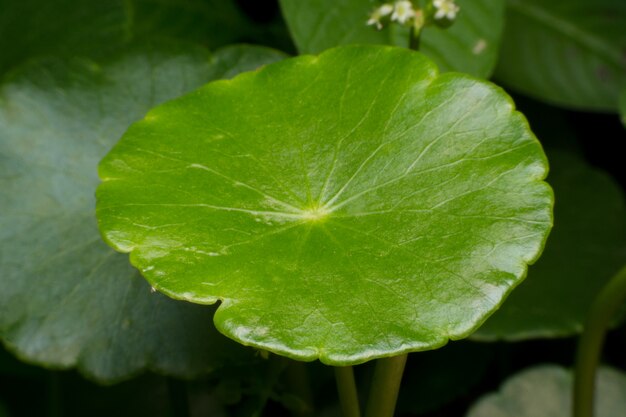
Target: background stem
385	386
179	403
348	397
603	309
297	377
55	394
414	39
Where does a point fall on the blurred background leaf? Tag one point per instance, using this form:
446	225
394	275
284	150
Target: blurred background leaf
546	391
31	28
94	28
212	23
567	52
69	300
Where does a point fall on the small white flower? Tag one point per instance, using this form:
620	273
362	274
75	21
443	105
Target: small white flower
379	13
375	22
403	11
446	8
385	9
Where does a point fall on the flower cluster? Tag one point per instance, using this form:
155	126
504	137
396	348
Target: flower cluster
405	13
401	12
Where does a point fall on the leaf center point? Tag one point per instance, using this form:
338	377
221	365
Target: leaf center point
315	214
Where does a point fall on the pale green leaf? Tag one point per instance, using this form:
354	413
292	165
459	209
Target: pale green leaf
546	391
566	52
586	248
344	207
469	45
68	299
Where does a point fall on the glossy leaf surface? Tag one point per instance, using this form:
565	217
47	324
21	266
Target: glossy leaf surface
566	52
67	298
342	207
469	45
546	391
586	248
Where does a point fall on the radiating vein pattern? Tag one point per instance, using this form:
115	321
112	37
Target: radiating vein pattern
347	206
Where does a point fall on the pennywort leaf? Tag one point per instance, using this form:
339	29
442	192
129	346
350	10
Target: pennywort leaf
346	206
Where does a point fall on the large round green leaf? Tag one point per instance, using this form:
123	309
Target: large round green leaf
567	52
470	45
67	298
344	207
546	391
586	248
